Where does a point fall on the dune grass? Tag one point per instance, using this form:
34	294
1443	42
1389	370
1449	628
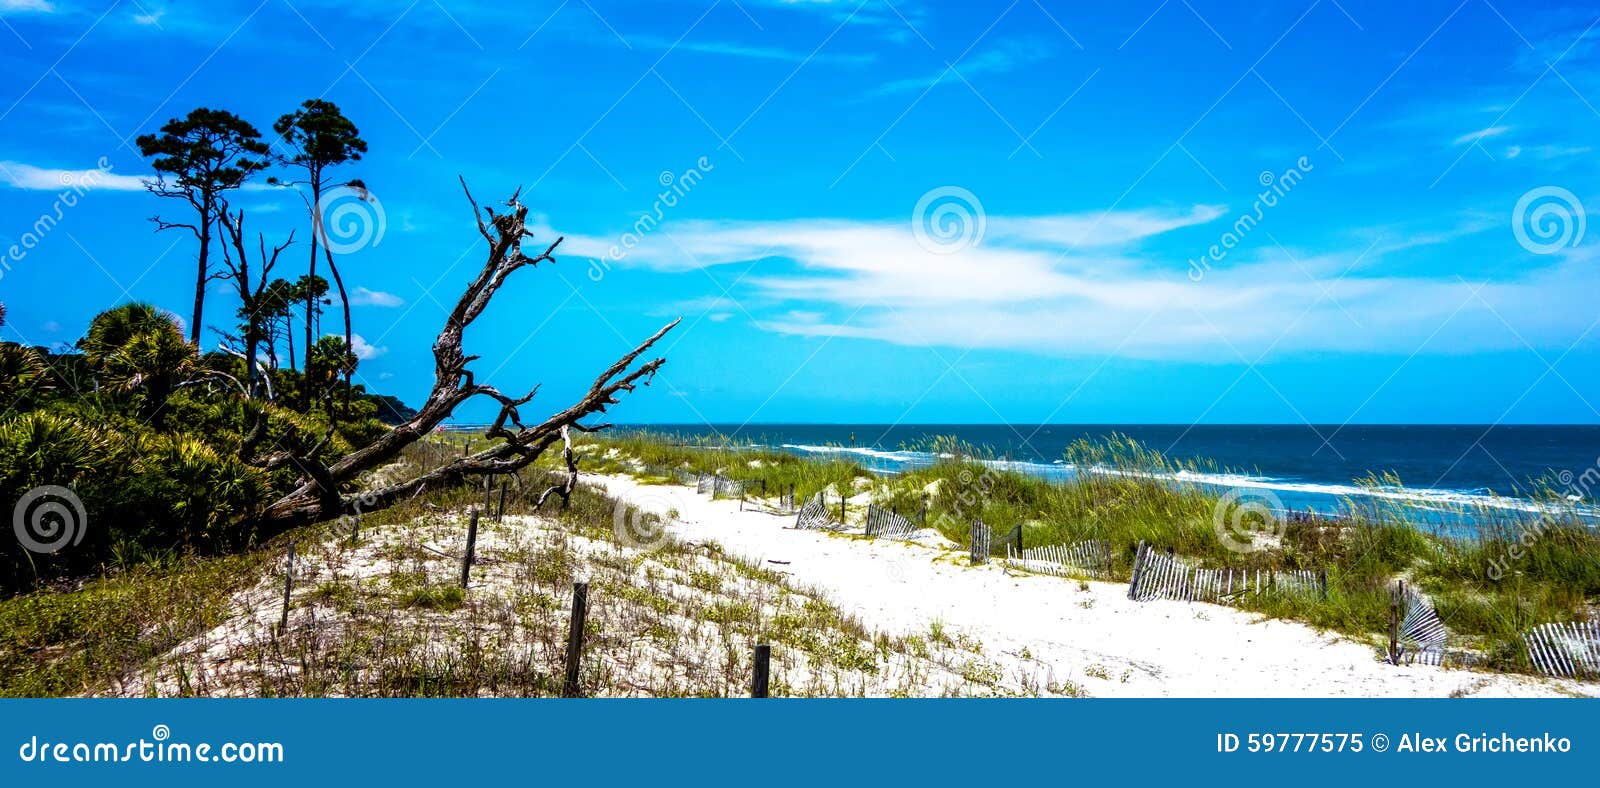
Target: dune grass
382	614
654	456
1519	569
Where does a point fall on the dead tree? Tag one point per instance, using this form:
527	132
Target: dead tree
570	482
327	491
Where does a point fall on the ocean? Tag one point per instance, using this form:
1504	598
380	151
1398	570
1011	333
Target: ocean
1449	473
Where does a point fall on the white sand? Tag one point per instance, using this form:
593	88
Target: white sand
1098	638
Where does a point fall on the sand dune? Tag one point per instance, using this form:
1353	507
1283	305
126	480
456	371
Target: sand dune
1089	633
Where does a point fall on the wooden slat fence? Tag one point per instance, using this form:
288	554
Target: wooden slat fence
888	523
1161	575
1092	557
716	484
783	505
815	514
1422	632
980	542
1565	650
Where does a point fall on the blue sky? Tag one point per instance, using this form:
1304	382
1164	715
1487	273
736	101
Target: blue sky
973	212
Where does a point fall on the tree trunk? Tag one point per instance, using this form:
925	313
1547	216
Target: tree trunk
311	273
251	344
204	263
344	300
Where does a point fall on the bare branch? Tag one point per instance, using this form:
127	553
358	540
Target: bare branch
327	492
571	483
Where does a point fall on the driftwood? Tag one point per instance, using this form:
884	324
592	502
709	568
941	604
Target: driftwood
327	491
570	483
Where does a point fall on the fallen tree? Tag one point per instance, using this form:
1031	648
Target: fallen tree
328	490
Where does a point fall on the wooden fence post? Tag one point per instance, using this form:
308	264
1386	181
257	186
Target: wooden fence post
472	544
580	611
1138	569
841	508
763	667
355	530
500	512
488	487
288	588
1394	621
1322	580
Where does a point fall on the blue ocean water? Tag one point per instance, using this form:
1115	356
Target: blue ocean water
1450	471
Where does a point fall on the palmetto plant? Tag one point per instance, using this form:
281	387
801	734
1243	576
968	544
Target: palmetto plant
137	348
23	374
328	361
45	448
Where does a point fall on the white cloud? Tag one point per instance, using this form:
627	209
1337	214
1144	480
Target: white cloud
734	49
26	176
1003	57
36	6
1481	134
1086	285
364	297
363	350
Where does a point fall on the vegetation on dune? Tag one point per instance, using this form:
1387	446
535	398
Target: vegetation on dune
381	614
139	445
1520	569
656	456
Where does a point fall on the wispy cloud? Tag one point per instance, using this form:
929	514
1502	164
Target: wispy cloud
1481	134
149	16
896	16
1090	285
364	297
1003	57
27	6
27	176
735	49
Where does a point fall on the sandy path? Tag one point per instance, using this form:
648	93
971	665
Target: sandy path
1097	638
